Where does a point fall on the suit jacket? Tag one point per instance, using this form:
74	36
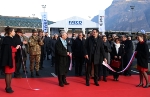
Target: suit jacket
99	50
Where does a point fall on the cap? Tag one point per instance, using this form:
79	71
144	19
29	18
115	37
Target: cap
34	31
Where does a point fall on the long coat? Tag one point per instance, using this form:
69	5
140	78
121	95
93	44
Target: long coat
128	51
78	47
98	50
6	55
52	47
142	54
61	66
107	48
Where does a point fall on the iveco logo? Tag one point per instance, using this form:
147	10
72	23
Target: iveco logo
75	22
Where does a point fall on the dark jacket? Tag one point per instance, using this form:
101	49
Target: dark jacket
52	47
142	54
99	49
6	55
120	52
61	57
18	42
78	47
128	51
69	44
107	48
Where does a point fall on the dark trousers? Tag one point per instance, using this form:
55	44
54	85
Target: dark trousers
62	79
88	71
116	75
78	66
102	71
53	60
18	67
126	60
41	58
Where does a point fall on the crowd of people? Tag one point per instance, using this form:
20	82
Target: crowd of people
86	54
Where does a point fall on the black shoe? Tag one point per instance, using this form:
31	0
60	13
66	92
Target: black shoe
25	71
117	79
61	85
9	90
37	73
96	84
66	83
139	85
104	79
32	74
148	85
87	83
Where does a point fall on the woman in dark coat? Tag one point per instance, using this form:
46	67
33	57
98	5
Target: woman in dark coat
107	48
117	53
9	48
142	56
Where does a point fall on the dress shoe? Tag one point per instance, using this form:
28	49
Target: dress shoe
139	85
37	73
25	71
96	84
148	85
87	84
9	90
104	79
61	85
66	83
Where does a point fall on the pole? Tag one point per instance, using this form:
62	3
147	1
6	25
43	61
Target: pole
132	7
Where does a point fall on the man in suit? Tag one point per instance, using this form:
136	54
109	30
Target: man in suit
18	41
128	49
93	49
61	54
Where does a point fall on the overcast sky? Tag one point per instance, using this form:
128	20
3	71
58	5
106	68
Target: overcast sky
57	9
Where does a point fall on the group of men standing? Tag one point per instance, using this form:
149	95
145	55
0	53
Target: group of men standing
92	52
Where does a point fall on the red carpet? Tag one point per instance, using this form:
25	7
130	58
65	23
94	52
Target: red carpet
49	88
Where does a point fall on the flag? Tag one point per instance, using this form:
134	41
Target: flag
101	21
44	22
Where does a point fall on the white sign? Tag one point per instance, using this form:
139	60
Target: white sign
101	21
44	22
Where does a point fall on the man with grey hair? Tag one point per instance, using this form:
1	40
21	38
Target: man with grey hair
61	55
128	51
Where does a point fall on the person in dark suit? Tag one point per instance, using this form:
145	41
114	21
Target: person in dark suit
128	51
117	53
142	56
17	38
52	47
61	54
79	54
93	49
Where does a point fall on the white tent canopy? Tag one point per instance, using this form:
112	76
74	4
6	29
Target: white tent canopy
73	22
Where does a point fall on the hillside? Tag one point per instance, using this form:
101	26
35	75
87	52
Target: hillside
119	15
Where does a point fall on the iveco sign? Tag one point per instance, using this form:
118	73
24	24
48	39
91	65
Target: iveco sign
75	22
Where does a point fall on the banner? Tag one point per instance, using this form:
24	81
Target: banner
101	21
44	22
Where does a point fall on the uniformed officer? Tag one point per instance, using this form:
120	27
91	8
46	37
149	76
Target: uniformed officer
35	44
